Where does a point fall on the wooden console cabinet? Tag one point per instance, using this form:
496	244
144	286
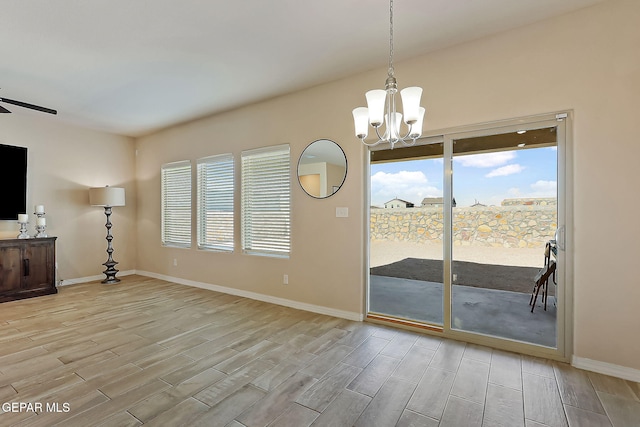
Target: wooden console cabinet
27	268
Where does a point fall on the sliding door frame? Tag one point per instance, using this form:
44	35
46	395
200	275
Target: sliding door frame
564	318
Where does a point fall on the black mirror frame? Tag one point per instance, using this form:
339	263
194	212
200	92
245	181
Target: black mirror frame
344	178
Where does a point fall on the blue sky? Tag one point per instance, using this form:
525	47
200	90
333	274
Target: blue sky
487	178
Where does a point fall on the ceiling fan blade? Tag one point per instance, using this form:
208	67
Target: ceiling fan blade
3	110
27	105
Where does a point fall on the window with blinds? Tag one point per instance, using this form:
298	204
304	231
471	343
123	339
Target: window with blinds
176	204
215	202
266	201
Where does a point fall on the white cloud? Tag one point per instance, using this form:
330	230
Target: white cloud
539	188
486	160
412	186
505	170
545	188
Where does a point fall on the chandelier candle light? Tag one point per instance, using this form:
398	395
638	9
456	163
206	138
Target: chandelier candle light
41	221
23	220
382	106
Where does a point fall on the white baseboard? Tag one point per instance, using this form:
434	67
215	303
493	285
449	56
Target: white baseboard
606	368
349	315
75	281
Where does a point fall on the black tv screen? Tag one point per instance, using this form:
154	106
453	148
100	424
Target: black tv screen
13	177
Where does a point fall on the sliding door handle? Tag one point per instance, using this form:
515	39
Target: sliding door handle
560	237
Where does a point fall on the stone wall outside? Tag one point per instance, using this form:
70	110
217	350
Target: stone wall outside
493	226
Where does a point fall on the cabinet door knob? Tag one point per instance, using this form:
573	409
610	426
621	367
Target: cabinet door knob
26	266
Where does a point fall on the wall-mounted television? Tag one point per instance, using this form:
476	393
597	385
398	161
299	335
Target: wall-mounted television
13	179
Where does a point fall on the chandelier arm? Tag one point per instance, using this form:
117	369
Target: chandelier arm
404	138
371	144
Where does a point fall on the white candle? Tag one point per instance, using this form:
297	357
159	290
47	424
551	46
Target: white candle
39	208
41	222
23	218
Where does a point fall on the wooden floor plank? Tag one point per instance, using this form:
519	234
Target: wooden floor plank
414	364
388	404
461	412
542	402
576	389
413	419
506	369
369	381
448	356
295	416
161	402
471	380
344	410
229	408
276	375
217	392
430	397
181	414
477	352
154	352
272	405
621	411
610	385
504	407
365	352
581	418
318	396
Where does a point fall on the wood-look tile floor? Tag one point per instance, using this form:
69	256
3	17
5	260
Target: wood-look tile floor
150	352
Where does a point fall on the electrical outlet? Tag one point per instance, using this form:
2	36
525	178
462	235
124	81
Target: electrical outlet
455	277
175	262
342	212
285	279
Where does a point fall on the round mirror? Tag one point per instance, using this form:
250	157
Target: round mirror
322	168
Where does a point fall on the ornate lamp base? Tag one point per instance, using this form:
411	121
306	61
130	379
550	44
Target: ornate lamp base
111	271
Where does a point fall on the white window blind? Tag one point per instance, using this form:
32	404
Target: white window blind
266	201
215	202
176	204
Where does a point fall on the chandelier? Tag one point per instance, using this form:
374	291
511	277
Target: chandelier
381	107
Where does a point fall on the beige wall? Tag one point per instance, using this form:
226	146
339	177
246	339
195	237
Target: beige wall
63	162
318	273
585	61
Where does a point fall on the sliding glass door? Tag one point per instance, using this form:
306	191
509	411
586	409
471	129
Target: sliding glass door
505	218
467	235
407	230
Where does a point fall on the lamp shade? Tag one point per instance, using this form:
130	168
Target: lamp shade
416	128
106	196
375	101
411	104
361	121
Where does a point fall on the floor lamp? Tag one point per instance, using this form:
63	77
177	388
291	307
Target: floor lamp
108	197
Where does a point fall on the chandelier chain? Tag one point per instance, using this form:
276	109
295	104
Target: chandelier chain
390	71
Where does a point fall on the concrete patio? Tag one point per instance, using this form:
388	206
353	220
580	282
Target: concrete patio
493	312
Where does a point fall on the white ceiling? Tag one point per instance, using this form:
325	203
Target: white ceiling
133	67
